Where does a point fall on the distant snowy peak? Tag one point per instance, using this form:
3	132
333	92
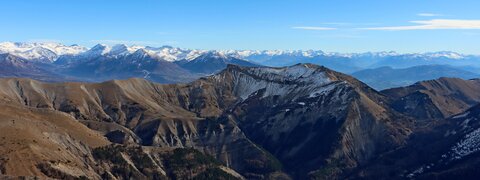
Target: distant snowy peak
446	54
248	53
166	53
52	51
97	50
313	53
211	55
39	51
140	54
169	53
119	49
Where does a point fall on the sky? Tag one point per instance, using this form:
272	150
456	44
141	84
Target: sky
405	26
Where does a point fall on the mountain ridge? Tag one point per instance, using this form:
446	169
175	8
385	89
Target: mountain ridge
215	114
301	121
185	65
386	77
10	47
438	98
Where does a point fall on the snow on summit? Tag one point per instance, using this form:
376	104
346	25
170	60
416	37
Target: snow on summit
293	80
42	51
50	52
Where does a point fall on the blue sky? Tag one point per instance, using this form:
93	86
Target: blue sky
335	25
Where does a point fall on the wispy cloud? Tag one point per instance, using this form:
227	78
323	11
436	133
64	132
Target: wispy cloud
337	23
314	28
429	14
433	24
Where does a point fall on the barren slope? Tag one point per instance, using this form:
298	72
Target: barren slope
438	98
36	140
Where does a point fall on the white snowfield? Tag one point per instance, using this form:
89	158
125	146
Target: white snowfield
52	51
43	51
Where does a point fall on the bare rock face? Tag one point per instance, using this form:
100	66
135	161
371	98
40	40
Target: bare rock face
435	99
127	162
305	120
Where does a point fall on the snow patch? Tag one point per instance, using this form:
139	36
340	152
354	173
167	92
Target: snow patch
468	145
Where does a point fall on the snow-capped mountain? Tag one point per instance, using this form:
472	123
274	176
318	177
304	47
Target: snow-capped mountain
248	53
166	53
212	62
51	51
40	51
97	50
169	53
58	57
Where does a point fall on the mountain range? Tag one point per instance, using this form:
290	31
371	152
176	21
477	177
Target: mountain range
168	64
134	112
386	77
298	122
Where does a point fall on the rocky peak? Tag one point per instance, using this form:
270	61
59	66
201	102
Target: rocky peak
119	49
212	57
297	79
99	49
140	54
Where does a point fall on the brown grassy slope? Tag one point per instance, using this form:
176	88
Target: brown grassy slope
114	100
159	115
30	137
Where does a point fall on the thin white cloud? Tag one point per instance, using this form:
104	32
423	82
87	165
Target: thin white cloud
337	23
314	28
433	24
428	14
